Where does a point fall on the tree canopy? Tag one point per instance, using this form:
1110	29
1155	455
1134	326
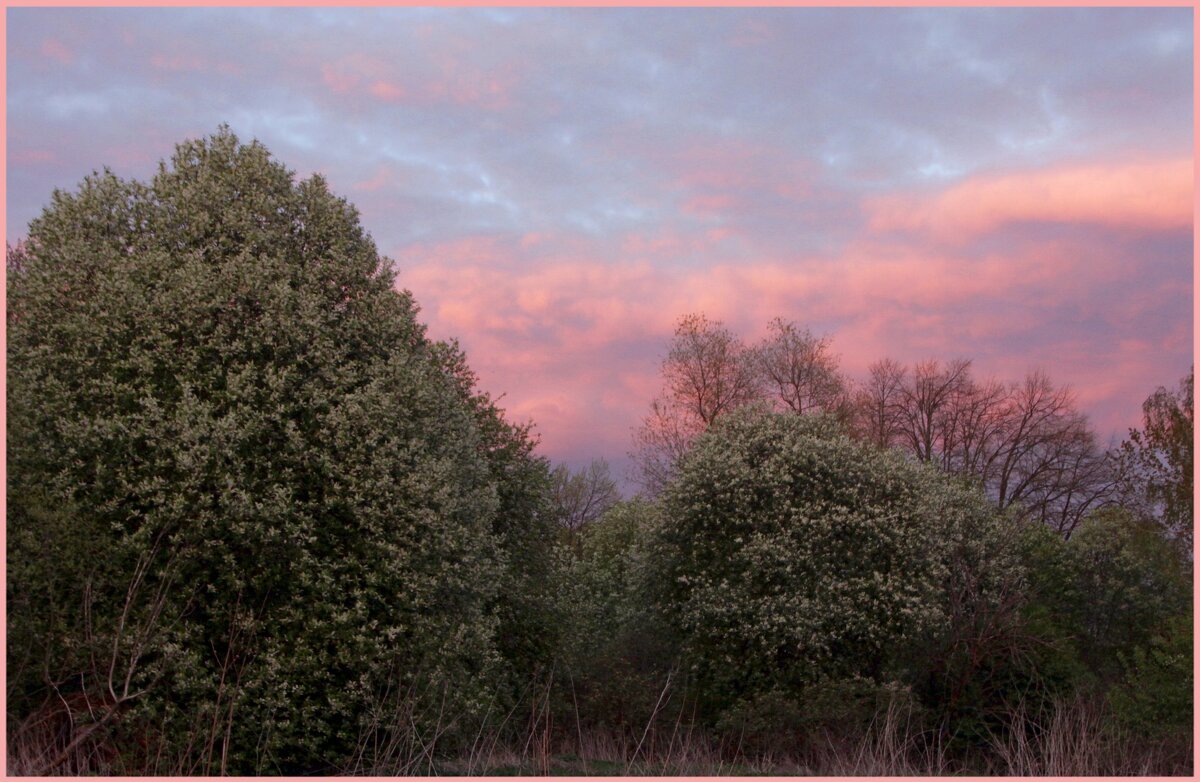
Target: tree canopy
289	486
789	554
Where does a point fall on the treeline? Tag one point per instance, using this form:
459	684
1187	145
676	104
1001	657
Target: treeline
1063	570
1024	443
259	522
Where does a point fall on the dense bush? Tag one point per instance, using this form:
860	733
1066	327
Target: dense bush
251	504
789	554
1112	587
1154	697
617	653
829	710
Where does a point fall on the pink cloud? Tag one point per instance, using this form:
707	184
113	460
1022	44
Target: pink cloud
461	82
338	79
735	184
1144	195
448	78
384	177
1109	387
752	32
669	244
462	73
573	337
184	62
359	73
57	50
31	156
708	204
664	244
386	90
723	165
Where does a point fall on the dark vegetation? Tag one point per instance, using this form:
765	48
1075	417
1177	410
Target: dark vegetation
259	522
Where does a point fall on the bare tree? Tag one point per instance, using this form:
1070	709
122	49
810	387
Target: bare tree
877	403
1078	478
582	497
708	372
800	369
974	427
708	369
1038	415
661	440
925	401
1026	445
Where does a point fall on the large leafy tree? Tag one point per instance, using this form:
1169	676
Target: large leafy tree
284	513
525	526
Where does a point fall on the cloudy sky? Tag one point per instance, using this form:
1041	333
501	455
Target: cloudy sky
557	187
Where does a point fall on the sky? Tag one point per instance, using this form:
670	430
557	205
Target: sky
558	186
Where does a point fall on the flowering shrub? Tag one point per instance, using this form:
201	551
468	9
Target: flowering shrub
292	501
789	554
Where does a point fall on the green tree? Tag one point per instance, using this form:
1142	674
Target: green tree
1156	460
1130	584
617	651
789	554
524	526
1096	603
297	518
1155	696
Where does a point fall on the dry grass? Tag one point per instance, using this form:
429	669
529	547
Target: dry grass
1073	739
892	746
1076	739
59	738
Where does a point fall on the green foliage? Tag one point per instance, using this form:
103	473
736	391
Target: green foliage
617	651
972	666
790	554
47	595
258	522
1053	597
827	709
1107	608
524	526
758	723
297	510
1155	696
1130	583
1157	460
1110	588
609	568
